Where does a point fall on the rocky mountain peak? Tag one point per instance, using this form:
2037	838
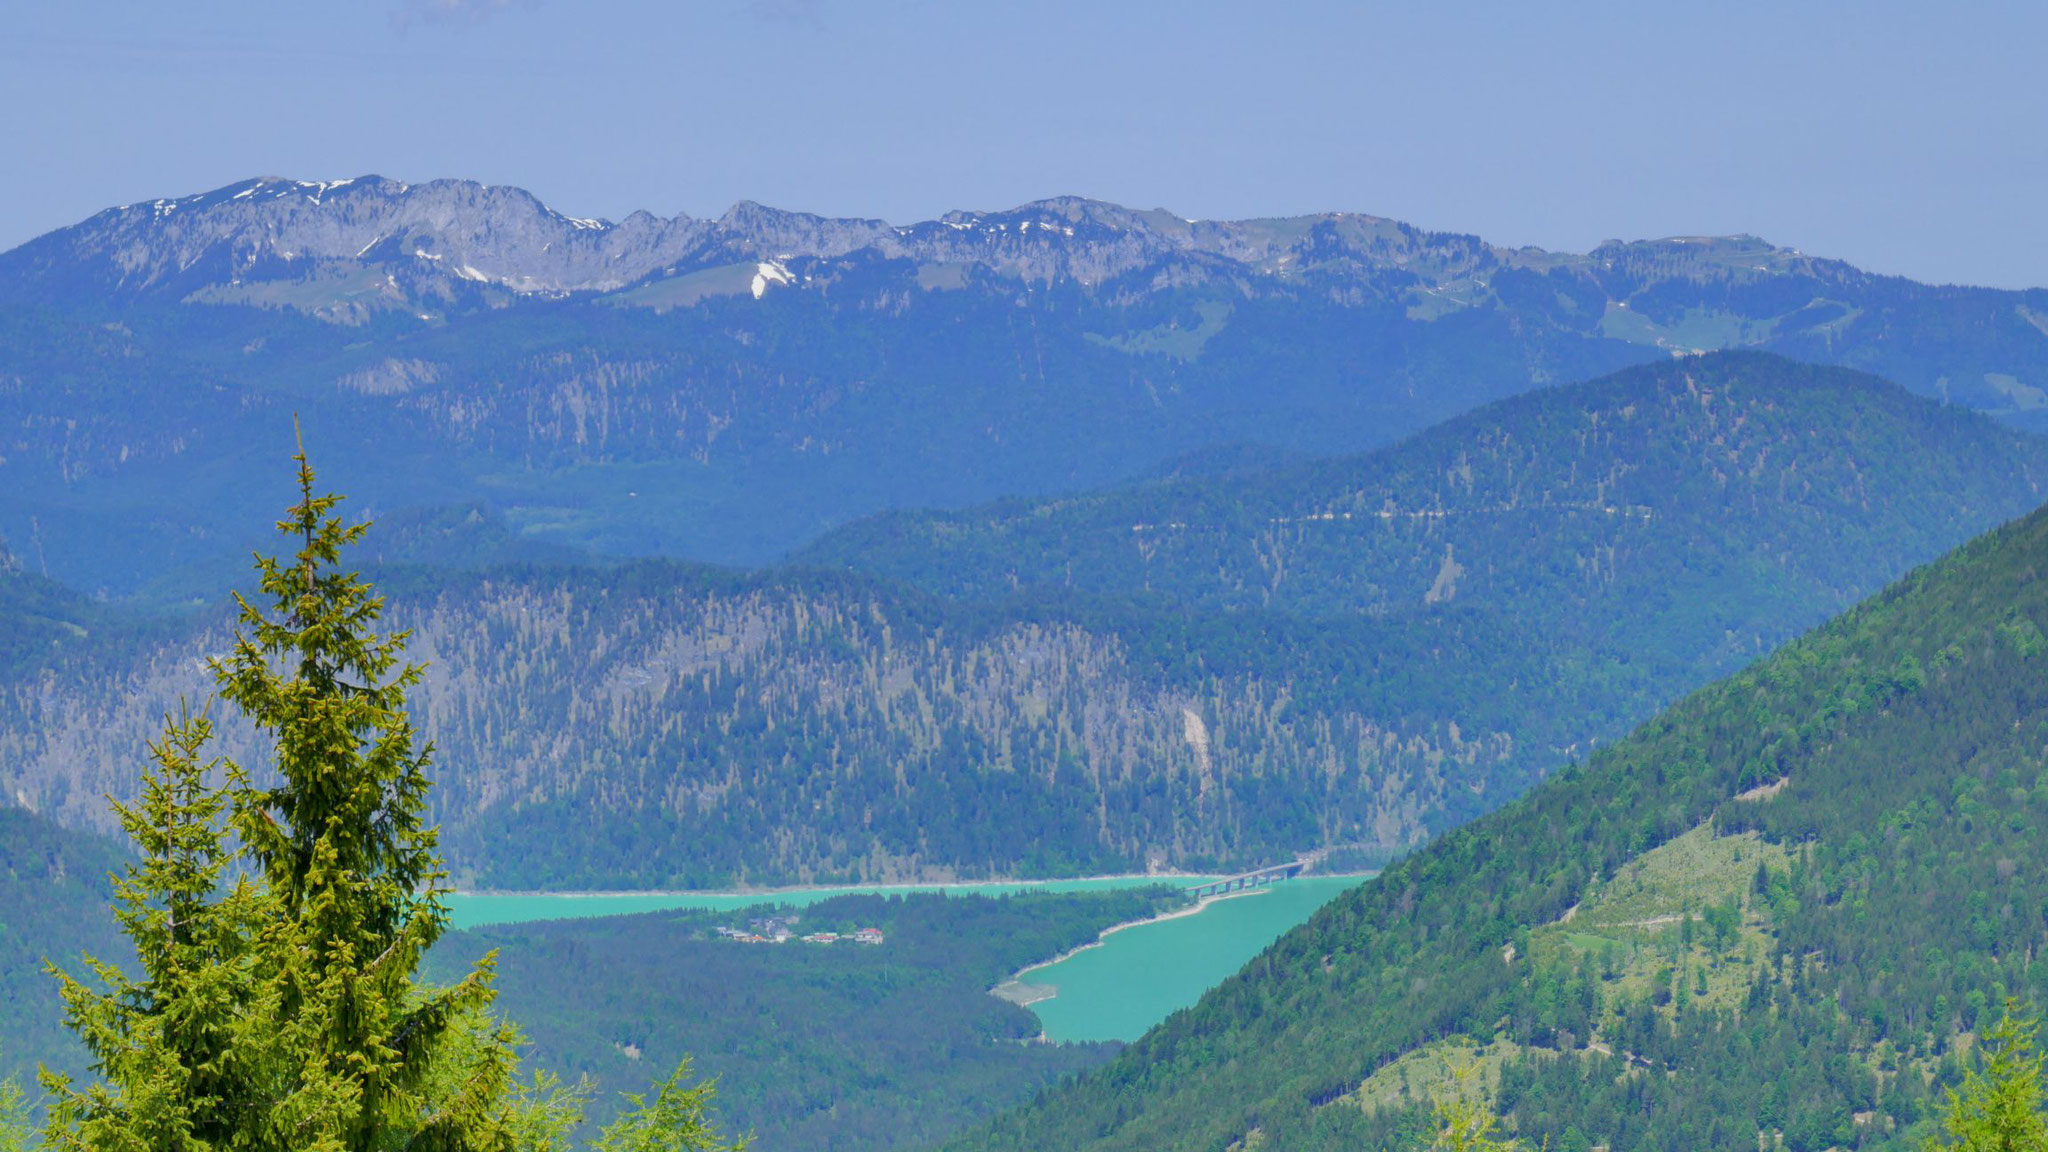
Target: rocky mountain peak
348	248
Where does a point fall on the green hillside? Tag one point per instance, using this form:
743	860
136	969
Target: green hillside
1775	912
43	623
53	904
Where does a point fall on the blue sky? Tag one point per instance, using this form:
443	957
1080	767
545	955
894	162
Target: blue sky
1908	138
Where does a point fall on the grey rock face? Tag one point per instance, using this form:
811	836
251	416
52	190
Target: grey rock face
383	243
464	230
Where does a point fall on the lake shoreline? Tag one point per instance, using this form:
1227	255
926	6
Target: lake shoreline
1024	994
1029	989
1199	906
474	909
1194	909
1187	878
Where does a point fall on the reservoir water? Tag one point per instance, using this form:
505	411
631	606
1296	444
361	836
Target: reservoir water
474	909
1140	975
1136	976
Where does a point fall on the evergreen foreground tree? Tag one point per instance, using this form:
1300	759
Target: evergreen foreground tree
279	925
1998	1106
1463	1118
15	1131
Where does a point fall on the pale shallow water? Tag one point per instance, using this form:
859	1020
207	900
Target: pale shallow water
473	909
1140	975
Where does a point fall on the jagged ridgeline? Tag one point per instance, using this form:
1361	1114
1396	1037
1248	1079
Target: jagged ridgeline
1562	564
1773	912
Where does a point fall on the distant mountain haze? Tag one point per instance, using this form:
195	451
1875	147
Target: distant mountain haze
1204	671
728	389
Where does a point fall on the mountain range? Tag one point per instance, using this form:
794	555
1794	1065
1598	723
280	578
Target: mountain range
1087	539
726	390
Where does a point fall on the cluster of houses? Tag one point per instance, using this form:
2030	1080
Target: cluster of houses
782	929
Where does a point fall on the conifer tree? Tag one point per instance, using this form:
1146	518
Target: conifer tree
1998	1106
173	1045
279	924
15	1131
1462	1118
342	847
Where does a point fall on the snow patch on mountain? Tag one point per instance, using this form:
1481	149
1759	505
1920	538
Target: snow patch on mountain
769	272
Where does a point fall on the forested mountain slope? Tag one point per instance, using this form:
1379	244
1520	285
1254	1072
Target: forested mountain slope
659	725
43	623
1773	912
1638	534
1576	497
53	904
1611	546
727	389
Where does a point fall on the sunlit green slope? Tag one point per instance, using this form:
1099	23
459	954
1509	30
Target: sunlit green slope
1775	912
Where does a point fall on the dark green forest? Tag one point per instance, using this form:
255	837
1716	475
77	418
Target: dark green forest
1877	792
1751	490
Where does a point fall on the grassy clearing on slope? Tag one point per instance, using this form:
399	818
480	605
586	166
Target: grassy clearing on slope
1678	927
1430	1072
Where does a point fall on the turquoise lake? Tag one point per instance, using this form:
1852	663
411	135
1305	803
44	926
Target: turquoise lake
1140	975
474	909
1116	989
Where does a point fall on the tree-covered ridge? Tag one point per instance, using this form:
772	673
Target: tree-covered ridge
44	624
732	430
1567	498
1911	737
1639	534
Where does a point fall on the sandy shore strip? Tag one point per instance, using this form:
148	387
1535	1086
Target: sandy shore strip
1023	995
1016	984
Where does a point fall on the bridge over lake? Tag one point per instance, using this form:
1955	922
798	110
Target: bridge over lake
1257	878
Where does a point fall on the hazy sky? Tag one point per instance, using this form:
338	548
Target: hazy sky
1908	138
